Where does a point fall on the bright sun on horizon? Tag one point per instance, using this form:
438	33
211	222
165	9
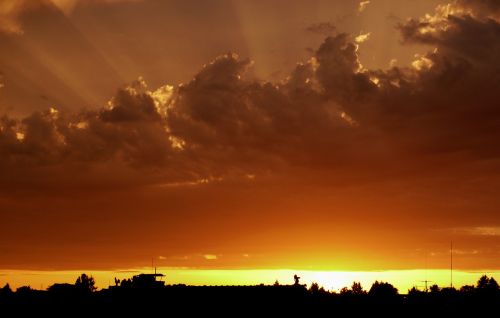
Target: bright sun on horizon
234	142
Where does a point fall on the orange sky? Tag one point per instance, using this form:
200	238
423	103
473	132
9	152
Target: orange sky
315	135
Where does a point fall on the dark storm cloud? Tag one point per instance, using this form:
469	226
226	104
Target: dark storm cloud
330	113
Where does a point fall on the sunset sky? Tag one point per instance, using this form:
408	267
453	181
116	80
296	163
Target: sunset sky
249	138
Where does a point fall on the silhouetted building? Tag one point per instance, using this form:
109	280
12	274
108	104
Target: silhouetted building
148	281
143	281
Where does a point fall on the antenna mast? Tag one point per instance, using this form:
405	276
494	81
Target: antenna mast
451	264
426	281
426	286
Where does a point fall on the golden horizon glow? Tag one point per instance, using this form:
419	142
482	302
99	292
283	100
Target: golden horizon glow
333	281
337	137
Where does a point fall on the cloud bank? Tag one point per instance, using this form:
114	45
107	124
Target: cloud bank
330	113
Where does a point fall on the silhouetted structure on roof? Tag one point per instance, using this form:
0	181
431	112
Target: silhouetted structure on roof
296	280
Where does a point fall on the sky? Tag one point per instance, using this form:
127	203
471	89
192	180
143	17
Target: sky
227	135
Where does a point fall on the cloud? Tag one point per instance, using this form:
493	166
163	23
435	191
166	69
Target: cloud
11	11
362	37
210	257
128	134
363	5
481	7
323	28
67	6
457	33
329	114
487	231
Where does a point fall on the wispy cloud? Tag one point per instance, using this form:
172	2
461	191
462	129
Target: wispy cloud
475	231
483	231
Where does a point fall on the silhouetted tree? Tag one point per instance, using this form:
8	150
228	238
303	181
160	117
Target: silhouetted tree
126	283
345	291
6	290
276	283
415	292
314	288
448	291
467	289
493	284
301	300
483	281
487	285
24	290
434	289
383	290
86	283
357	289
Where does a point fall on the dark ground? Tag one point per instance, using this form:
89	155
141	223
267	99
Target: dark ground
242	301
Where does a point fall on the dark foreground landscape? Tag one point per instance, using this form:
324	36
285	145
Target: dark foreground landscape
144	295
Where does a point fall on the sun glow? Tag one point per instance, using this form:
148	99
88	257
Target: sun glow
330	280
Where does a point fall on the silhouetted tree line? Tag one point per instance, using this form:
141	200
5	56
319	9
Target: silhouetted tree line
142	295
